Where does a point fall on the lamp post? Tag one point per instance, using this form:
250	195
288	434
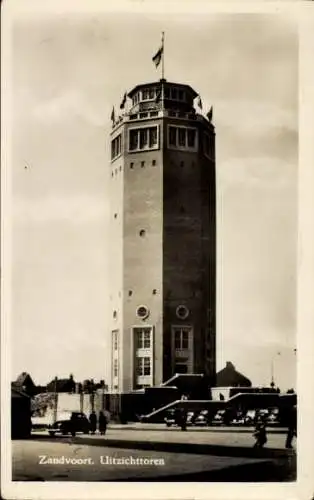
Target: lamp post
55	392
272	382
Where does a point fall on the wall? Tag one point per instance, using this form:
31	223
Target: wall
189	249
142	256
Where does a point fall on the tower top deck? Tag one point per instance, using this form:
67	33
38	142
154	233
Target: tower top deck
161	99
171	95
162	83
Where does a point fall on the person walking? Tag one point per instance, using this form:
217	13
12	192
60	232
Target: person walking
292	427
102	423
73	425
93	422
260	433
183	420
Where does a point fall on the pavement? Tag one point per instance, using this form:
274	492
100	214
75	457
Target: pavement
158	437
199	454
111	464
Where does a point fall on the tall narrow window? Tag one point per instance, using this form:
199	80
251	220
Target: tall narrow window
115	367
172	136
115	334
145	94
191	137
152	137
116	147
181	338
133	140
143	138
182	135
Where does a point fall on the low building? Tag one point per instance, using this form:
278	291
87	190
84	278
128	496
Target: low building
21	424
62	385
24	383
230	377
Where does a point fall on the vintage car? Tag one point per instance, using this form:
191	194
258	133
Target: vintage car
75	422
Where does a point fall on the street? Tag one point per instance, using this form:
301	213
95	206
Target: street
148	454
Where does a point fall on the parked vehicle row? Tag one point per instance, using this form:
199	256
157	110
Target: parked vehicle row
226	417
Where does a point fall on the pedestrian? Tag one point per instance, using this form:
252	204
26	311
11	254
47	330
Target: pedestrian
183	420
93	422
292	427
260	433
73	425
102	423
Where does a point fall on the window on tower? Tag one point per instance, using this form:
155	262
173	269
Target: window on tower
143	336
143	366
116	147
115	367
208	145
115	335
183	138
144	138
191	137
181	338
172	136
133	140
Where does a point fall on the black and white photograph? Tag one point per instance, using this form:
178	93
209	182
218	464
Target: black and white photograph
153	185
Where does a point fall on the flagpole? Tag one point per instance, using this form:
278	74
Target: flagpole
162	55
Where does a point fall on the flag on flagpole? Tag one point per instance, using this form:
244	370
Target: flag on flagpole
210	114
199	102
123	101
157	57
112	115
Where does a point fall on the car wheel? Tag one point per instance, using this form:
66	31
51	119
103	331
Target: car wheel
52	433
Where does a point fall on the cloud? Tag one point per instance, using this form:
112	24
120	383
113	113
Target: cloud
250	117
261	173
68	106
74	209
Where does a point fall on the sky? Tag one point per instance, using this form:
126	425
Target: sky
67	72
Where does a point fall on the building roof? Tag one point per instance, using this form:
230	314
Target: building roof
24	379
155	84
62	385
230	377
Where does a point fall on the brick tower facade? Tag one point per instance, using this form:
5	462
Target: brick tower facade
162	238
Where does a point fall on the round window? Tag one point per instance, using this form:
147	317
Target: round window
182	312
142	312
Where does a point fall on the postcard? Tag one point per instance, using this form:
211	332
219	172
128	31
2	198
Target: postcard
157	238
